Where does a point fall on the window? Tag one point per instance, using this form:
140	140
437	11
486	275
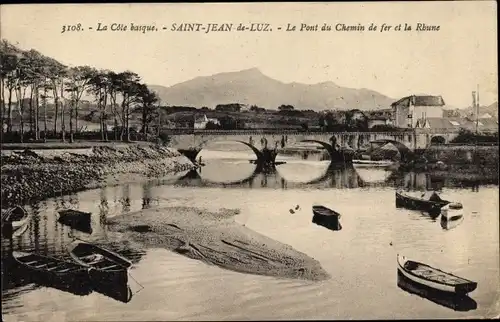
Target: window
410	116
455	123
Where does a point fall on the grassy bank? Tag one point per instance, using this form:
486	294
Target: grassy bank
30	176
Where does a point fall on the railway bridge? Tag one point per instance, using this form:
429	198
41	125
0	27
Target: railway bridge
340	145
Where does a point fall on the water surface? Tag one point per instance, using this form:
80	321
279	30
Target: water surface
361	258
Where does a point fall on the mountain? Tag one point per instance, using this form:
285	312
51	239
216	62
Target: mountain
491	109
252	87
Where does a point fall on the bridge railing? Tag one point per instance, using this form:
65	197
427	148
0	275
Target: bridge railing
277	131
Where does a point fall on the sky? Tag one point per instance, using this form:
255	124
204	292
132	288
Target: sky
451	62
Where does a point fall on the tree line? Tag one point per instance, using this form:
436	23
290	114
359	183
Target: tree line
27	75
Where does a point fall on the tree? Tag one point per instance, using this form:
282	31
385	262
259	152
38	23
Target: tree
79	79
285	108
147	100
128	85
9	57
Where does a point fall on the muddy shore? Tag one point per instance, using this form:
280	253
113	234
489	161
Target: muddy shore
215	238
33	175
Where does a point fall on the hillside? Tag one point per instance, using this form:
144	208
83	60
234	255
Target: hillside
492	109
252	87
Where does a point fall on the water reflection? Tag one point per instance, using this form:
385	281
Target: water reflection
451	301
227	174
46	236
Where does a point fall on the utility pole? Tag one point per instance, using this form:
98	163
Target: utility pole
477	109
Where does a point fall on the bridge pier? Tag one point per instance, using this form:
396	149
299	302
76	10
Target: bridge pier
190	154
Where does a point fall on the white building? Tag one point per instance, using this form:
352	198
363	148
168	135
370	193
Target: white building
408	110
201	122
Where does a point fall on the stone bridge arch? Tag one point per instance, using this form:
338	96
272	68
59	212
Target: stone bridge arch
437	139
192	153
335	155
404	151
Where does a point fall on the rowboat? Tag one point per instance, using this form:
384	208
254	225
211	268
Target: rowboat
118	291
54	266
52	272
104	266
434	278
452	301
326	217
448	224
14	219
428	201
76	219
72	215
452	211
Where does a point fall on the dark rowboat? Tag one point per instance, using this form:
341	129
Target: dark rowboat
74	215
47	264
14	219
326	217
434	278
118	291
429	202
105	266
52	272
76	219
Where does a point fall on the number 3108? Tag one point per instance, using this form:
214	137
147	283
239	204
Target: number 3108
76	27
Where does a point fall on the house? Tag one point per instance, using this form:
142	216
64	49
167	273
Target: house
378	120
200	122
408	110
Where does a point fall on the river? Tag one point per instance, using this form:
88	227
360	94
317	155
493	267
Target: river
361	258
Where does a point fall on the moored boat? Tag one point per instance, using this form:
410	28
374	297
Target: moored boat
452	301
47	264
448	224
326	217
430	202
104	266
434	278
452	211
75	216
14	219
51	272
76	219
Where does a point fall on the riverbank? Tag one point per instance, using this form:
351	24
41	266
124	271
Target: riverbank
215	238
33	175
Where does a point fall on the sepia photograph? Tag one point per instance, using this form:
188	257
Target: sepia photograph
249	161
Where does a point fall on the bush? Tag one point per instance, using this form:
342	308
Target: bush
467	136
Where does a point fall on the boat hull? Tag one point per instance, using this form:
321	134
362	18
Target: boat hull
452	301
461	289
75	281
451	214
326	217
432	207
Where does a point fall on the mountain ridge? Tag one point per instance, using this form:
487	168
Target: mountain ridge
252	87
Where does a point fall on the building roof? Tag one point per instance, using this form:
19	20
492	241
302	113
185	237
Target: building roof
422	100
456	123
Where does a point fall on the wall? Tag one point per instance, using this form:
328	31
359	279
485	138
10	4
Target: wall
419	112
400	113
